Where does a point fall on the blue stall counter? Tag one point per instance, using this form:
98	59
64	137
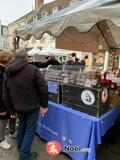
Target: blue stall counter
77	130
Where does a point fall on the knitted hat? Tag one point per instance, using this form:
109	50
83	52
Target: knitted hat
21	53
5	57
73	54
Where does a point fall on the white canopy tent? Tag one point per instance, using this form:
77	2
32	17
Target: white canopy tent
48	51
51	50
54	51
83	16
34	51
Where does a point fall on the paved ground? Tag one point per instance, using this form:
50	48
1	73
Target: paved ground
109	151
38	145
104	152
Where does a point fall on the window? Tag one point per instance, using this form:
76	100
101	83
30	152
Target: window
74	1
35	18
44	14
5	31
54	10
38	16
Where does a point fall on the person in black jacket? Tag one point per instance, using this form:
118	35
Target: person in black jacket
25	92
50	61
72	62
5	57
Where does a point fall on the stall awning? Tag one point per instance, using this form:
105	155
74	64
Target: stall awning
81	16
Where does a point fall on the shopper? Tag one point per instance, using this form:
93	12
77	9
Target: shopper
71	59
72	63
5	57
24	92
51	60
86	60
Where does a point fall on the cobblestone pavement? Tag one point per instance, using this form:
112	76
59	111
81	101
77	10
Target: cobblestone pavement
104	151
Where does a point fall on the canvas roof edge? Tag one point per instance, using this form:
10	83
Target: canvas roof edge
55	18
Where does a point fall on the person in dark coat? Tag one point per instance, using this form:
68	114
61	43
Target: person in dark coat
50	61
72	62
25	92
5	57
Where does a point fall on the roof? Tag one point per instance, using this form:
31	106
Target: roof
51	5
25	16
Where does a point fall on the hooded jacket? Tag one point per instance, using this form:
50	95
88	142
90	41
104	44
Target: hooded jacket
2	106
24	87
49	62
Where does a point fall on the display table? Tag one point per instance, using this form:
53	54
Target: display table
74	128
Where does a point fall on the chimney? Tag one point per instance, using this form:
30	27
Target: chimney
38	4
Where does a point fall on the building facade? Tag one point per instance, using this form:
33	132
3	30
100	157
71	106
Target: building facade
41	10
19	22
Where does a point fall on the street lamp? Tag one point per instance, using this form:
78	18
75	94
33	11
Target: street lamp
15	40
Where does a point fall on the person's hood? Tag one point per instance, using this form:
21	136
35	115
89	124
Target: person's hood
16	66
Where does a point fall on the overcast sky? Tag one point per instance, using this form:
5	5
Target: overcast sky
10	10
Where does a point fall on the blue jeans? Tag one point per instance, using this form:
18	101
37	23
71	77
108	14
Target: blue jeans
26	132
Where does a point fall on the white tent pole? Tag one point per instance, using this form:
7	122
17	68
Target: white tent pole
106	61
90	60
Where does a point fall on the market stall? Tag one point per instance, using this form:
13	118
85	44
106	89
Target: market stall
96	28
81	91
